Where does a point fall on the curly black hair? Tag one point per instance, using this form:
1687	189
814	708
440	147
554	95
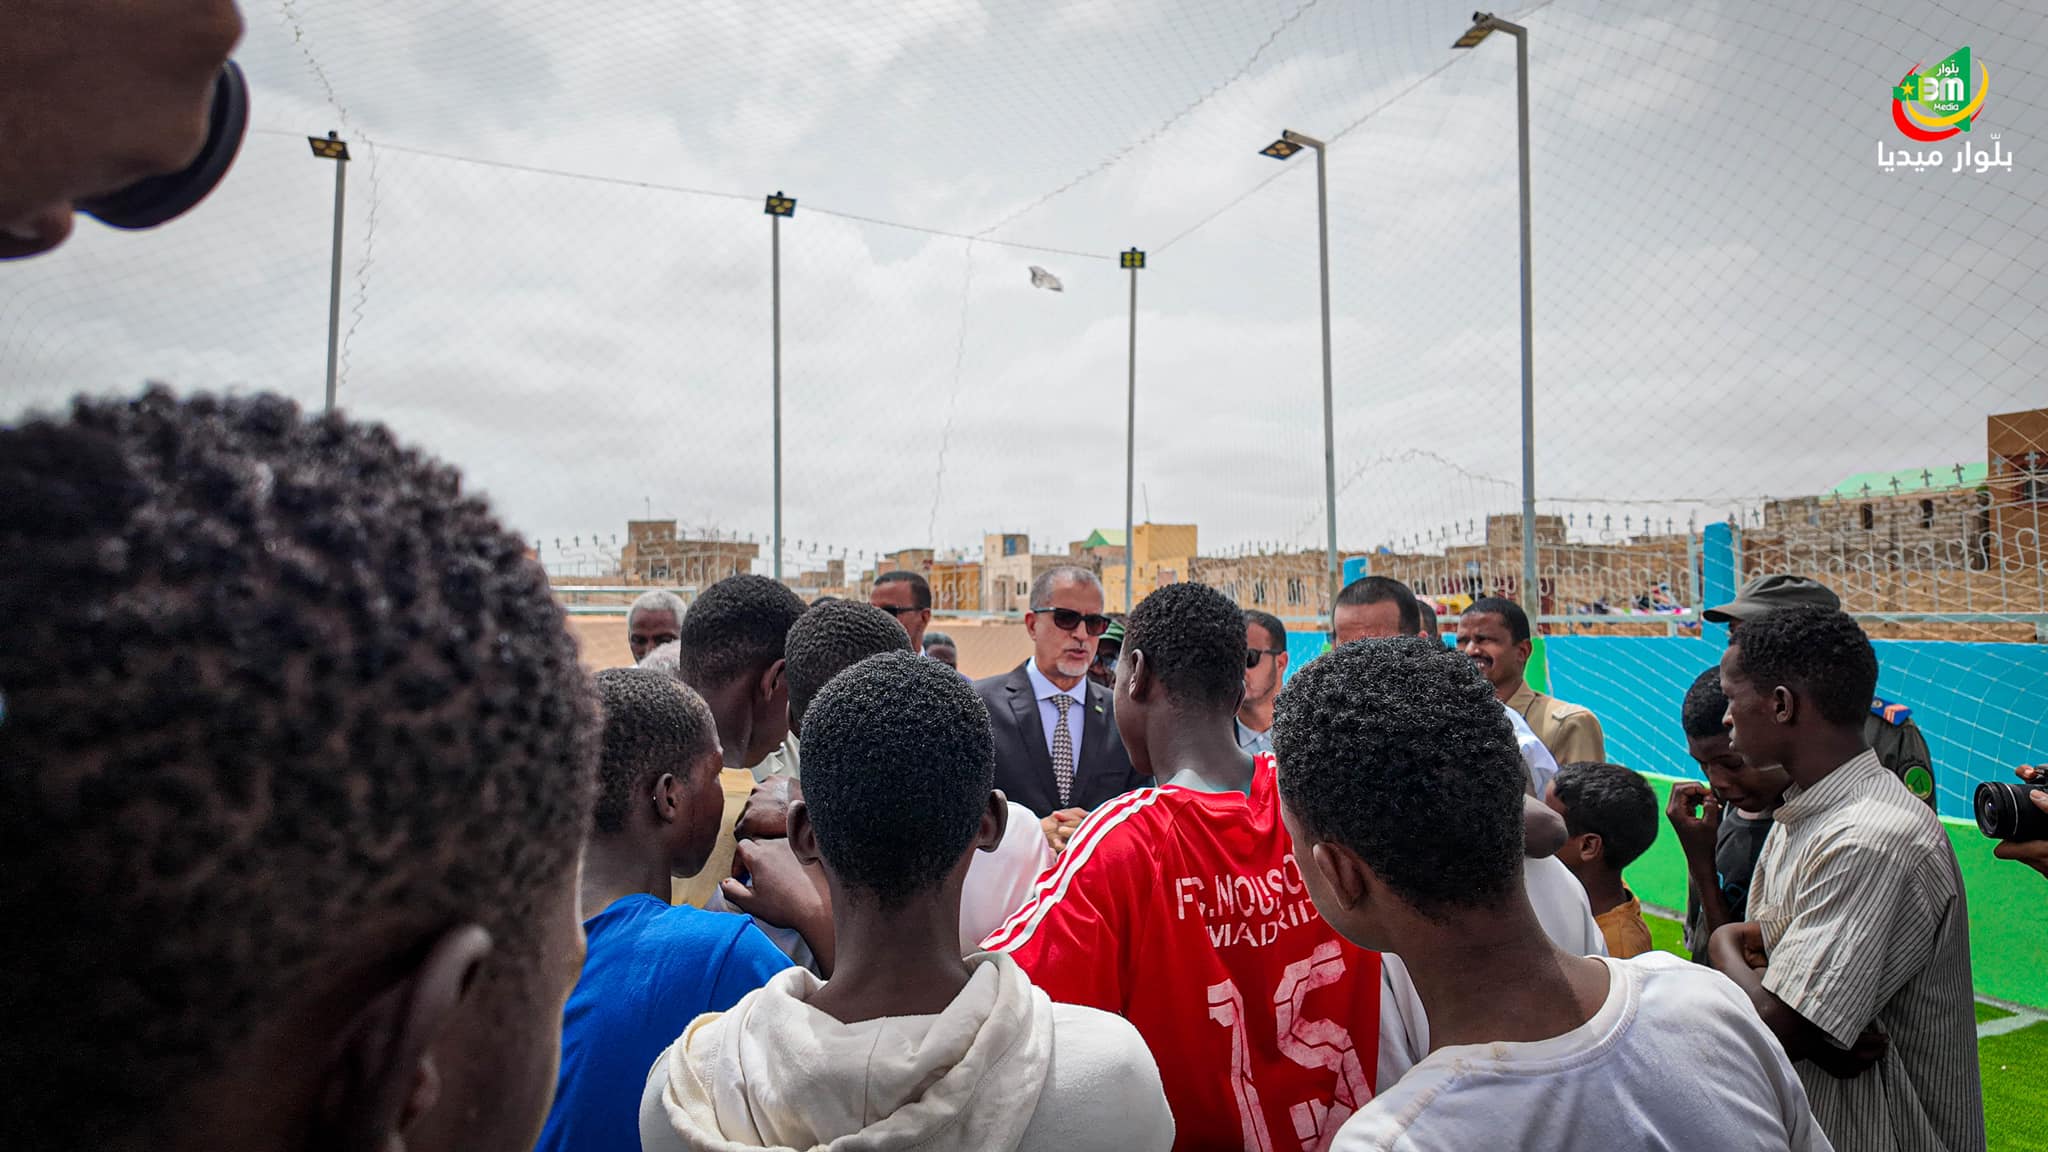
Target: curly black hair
1380	590
653	723
735	628
1612	802
1398	750
899	761
1193	640
272	687
1820	653
829	639
1510	613
1705	705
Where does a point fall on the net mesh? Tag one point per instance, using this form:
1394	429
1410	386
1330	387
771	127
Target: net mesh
556	272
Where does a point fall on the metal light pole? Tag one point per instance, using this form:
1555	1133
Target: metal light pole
1289	143
1133	260
778	206
334	148
1484	24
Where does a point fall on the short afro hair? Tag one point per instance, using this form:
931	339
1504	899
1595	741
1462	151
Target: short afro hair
829	639
274	688
1193	640
1705	707
920	590
735	628
1509	611
1398	750
1611	802
1381	590
653	723
1820	653
1271	625
899	762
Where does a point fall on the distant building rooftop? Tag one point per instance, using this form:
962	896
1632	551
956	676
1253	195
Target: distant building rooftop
1911	480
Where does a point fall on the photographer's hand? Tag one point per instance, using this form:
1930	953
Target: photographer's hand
2032	853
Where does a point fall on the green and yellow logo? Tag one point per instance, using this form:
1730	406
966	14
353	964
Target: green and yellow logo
1937	102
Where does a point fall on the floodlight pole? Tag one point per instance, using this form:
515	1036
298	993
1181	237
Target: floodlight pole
333	148
775	308
777	206
1133	260
1485	24
1336	573
1532	596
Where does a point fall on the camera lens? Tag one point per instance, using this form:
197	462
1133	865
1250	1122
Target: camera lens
2004	812
148	203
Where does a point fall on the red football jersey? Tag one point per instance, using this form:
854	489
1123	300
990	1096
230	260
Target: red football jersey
1185	913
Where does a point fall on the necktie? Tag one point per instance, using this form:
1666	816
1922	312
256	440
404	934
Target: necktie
1063	751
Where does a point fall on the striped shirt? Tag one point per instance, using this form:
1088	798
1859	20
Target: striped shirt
1861	905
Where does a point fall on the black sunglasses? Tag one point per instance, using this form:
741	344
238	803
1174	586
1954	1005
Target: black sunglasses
894	611
1066	620
1251	655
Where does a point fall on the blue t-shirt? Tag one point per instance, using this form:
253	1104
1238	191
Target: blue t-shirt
650	969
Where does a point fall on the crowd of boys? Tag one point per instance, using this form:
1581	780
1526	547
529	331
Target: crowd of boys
328	839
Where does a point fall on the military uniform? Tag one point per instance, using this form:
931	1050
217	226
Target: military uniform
1570	732
1900	747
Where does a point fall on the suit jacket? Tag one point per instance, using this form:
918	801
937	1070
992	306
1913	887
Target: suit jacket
1102	769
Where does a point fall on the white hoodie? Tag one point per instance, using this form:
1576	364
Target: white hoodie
1001	1068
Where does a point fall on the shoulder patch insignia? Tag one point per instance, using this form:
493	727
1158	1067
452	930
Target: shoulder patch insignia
1890	713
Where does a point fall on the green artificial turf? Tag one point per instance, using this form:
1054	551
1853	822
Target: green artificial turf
1667	935
2015	1097
1990	1012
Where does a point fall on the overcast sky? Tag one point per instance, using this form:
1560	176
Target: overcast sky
1732	298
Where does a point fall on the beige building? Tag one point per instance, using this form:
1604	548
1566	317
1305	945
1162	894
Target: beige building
1008	566
956	584
655	554
1160	554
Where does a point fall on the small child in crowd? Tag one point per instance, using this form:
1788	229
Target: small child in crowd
1610	819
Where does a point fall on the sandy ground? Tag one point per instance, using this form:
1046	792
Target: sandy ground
986	648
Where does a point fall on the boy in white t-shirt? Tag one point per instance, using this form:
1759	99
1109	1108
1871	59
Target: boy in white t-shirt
1401	787
908	1045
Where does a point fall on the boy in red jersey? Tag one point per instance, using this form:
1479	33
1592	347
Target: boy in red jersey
1182	908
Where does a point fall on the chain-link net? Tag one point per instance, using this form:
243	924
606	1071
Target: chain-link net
556	271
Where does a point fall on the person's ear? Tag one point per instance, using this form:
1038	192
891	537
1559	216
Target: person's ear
1589	847
803	838
1141	674
1346	877
995	819
666	798
1525	649
385	1076
774	687
1784	705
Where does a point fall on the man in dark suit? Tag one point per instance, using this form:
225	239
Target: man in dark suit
1057	748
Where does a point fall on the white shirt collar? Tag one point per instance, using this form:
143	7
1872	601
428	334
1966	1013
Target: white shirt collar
1044	689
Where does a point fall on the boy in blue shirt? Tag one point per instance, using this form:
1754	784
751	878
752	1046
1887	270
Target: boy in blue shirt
650	968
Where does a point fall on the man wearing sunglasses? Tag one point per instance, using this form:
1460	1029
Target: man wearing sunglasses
1265	666
907	597
1057	748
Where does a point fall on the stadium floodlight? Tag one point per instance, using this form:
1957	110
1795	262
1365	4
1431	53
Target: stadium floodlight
1483	25
1134	260
778	207
1289	143
333	147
